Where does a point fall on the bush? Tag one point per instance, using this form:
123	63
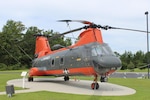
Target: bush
15	67
3	66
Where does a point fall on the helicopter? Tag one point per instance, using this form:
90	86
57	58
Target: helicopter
89	56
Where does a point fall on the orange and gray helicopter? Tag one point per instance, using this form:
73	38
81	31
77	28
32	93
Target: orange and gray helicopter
90	55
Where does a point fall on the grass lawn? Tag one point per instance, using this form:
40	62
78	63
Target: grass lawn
135	70
142	86
5	76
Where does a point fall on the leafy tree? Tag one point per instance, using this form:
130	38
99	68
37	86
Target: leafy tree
3	66
56	39
18	46
124	66
147	58
11	31
138	59
27	46
131	66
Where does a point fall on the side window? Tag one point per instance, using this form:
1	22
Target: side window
62	60
53	62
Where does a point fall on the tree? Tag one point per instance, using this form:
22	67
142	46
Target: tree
131	66
126	58
138	59
10	33
147	57
56	39
17	48
28	46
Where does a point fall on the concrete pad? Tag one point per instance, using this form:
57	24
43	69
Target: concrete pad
73	87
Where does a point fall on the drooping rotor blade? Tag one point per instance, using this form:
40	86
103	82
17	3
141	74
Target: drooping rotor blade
109	27
81	21
64	20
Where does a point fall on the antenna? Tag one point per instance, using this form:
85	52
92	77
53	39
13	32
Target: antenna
10	54
24	52
68	25
69	28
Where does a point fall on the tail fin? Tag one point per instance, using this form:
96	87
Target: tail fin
42	46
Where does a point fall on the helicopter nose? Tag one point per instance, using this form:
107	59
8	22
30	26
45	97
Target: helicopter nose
110	62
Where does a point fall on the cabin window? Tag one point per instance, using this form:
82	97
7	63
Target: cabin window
61	60
53	62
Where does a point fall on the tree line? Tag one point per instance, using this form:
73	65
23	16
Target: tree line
17	46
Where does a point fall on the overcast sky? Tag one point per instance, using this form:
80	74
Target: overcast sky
119	13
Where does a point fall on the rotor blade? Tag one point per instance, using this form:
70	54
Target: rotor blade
74	30
81	21
64	20
109	27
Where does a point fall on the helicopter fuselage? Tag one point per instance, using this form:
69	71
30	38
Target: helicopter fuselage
89	59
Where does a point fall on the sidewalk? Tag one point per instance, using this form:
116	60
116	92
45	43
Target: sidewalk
72	86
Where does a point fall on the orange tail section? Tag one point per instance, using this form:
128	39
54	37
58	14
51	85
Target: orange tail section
42	46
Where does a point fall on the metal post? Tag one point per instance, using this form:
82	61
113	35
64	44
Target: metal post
146	13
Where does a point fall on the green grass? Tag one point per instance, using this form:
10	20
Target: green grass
135	70
142	86
4	77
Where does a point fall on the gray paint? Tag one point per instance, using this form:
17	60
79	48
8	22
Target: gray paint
94	54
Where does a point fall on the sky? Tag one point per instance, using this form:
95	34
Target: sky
117	13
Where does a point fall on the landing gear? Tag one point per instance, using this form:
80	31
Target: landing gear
103	79
66	78
95	84
30	79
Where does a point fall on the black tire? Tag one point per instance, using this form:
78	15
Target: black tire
104	79
66	78
30	79
93	86
97	86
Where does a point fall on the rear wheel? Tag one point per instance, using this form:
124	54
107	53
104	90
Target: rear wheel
66	78
30	79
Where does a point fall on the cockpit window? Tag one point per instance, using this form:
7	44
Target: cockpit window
102	49
94	53
97	50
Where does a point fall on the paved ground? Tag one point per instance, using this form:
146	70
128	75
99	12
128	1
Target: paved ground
72	86
139	75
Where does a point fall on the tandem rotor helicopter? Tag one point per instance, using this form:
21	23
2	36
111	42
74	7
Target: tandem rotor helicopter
90	55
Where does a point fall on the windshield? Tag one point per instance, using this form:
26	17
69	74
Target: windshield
102	49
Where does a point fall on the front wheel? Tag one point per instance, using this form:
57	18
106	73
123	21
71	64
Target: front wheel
95	86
